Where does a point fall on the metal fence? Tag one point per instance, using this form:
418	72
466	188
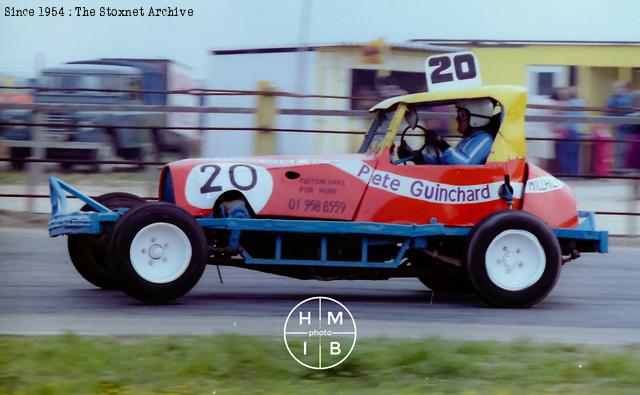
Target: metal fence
37	109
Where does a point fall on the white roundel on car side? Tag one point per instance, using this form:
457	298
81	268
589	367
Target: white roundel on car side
205	183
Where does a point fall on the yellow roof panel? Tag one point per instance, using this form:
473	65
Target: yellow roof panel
504	94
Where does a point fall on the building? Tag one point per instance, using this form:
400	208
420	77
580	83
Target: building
381	70
10	95
542	65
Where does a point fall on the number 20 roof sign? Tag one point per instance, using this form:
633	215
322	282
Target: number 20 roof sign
452	71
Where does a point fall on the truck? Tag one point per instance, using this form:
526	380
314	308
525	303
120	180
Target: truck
87	135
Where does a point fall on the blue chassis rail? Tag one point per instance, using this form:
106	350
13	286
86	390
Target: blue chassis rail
414	236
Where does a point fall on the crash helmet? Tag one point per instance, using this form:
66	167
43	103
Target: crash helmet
480	111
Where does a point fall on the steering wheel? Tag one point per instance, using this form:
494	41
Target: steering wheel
410	158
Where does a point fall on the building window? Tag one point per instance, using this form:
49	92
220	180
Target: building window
371	86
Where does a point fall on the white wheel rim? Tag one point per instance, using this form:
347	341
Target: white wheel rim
515	260
160	252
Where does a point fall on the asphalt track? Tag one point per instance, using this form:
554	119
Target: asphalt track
596	301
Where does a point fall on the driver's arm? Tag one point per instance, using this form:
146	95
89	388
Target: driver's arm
429	159
474	151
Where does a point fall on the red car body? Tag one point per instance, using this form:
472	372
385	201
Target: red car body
367	188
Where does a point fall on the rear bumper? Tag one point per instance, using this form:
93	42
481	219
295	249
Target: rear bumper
79	222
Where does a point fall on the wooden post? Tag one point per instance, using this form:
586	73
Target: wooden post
35	169
151	173
265	141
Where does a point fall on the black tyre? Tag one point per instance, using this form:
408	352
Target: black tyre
18	153
440	276
159	252
446	278
513	259
88	253
66	166
94	155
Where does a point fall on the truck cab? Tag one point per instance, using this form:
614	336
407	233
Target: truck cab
82	135
91	134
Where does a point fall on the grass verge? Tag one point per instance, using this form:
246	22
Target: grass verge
235	364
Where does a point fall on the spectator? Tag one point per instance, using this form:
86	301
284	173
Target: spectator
579	130
602	152
621	98
633	153
566	151
541	152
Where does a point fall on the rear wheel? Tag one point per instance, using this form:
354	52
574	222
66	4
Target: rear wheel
88	253
446	278
159	252
438	275
16	154
66	166
513	259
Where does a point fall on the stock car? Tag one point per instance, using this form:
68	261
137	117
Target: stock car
502	229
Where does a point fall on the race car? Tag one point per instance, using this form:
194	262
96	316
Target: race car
502	229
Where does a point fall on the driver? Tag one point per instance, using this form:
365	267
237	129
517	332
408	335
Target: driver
475	146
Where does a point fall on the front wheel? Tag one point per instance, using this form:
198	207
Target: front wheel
159	252
513	259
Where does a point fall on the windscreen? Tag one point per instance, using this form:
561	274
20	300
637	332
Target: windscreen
375	136
82	81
